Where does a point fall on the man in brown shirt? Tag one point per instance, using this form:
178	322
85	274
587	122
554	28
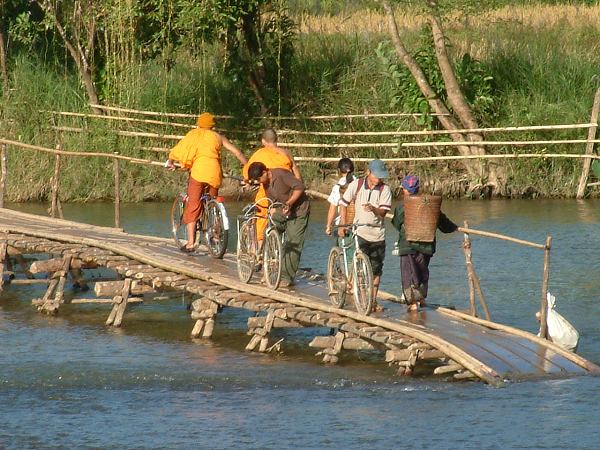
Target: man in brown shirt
282	186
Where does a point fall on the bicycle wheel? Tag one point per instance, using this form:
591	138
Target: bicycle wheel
246	251
272	258
336	277
362	283
215	233
178	228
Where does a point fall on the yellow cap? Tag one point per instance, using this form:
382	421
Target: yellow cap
206	120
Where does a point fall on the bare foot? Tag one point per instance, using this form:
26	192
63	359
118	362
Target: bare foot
377	308
413	307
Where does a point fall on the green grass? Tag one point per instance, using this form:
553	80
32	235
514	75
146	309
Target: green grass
542	75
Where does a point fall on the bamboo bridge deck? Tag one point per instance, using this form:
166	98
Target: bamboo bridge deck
438	339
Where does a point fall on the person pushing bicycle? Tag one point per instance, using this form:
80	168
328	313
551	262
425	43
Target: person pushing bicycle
282	186
373	199
273	157
200	152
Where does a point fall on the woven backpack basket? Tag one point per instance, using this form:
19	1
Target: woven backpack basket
350	212
421	216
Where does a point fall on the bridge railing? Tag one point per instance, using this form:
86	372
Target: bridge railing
475	286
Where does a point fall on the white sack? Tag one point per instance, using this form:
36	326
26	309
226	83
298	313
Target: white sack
559	329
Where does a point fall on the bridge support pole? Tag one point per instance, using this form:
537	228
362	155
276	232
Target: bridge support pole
3	260
115	318
48	304
204	312
330	354
260	327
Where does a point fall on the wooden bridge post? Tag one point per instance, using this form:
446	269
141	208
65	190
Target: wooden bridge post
474	283
589	147
57	286
469	265
55	207
117	192
3	173
544	300
330	354
115	318
260	330
203	312
3	259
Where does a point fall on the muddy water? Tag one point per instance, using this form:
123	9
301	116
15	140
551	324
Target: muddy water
70	382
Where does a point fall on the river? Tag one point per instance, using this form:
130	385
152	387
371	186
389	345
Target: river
69	382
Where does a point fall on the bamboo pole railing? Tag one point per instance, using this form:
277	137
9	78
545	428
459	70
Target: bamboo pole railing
312	117
282	132
452	157
435	132
3	173
435	144
359	144
589	148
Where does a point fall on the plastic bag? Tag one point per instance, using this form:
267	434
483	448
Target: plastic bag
560	330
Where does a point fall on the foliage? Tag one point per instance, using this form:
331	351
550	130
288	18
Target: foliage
474	77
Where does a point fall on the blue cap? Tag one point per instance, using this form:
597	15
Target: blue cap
411	184
378	169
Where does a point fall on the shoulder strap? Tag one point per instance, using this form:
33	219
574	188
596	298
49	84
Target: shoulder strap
361	182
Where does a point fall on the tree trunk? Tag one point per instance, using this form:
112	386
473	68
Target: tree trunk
448	121
79	52
457	100
3	64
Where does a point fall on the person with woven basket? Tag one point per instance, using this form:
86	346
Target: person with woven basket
416	254
373	199
346	170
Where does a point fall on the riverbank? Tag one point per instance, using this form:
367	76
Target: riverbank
543	61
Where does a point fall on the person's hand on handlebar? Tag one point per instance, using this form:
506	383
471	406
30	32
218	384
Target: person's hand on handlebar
170	165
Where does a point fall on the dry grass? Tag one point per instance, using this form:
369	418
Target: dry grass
535	17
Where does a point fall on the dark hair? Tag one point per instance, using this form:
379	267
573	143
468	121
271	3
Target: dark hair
256	170
346	166
269	135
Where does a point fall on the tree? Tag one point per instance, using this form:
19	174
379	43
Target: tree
75	21
455	115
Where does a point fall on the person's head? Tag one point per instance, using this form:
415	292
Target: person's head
257	173
269	137
377	171
346	167
206	120
410	184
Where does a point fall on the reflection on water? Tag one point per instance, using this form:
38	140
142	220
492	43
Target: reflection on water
149	385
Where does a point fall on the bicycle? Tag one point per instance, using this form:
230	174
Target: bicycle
212	227
339	275
250	255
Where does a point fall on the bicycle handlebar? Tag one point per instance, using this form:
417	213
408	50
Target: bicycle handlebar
356	225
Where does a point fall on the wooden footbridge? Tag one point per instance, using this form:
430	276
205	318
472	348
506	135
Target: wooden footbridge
437	340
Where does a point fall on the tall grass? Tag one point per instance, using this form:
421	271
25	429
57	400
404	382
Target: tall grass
545	62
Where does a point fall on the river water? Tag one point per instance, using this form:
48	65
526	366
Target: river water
68	381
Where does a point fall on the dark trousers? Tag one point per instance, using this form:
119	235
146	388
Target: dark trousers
414	269
294	243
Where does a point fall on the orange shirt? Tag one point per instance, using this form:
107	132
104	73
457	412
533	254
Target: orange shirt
200	151
270	157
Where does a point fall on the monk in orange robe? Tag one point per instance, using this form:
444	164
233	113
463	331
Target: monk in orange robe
200	152
273	157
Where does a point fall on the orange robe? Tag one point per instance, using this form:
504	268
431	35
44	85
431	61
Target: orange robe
200	151
272	159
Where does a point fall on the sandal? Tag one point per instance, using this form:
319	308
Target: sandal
185	249
377	308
